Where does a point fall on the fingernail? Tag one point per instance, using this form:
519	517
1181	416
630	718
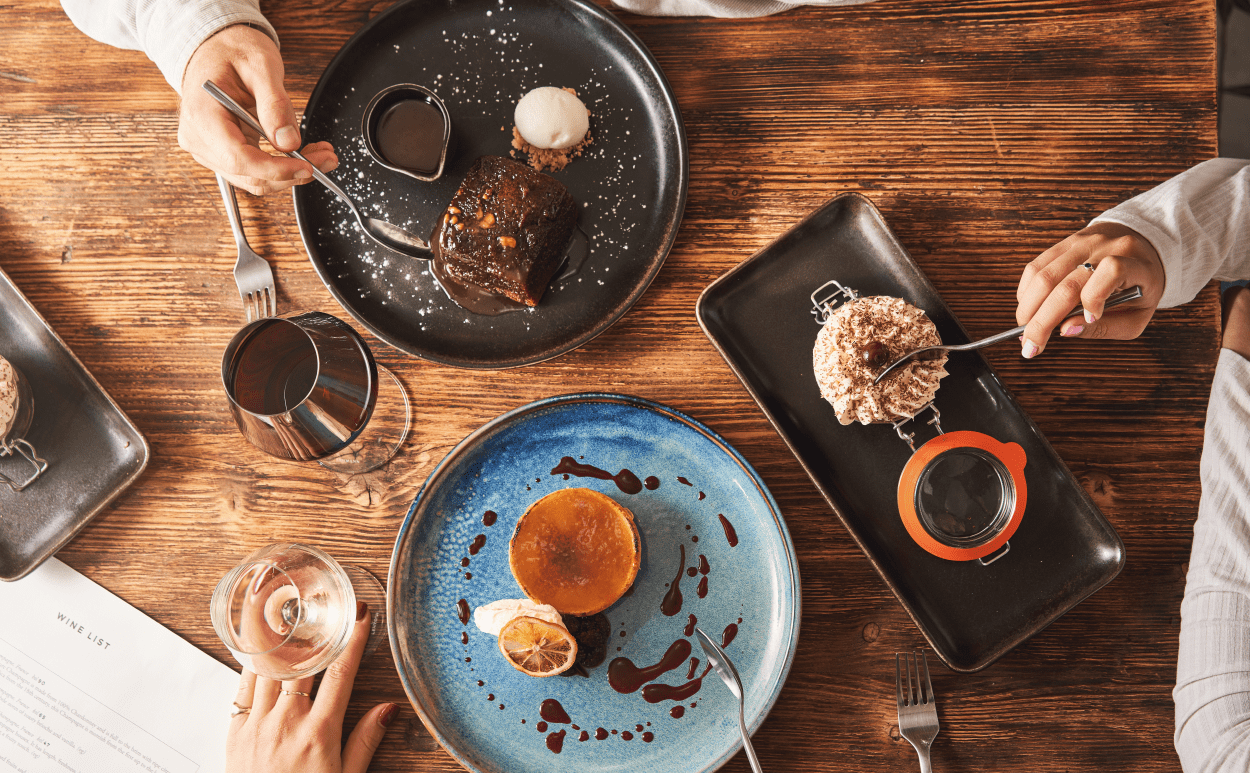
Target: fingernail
361	609
329	165
303	174
287	136
1090	318
1030	349
1073	330
388	714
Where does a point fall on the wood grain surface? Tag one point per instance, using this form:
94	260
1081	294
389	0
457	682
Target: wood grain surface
984	131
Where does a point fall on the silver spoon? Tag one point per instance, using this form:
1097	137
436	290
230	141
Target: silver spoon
382	232
1123	296
721	664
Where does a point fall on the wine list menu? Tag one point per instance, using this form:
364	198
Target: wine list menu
89	684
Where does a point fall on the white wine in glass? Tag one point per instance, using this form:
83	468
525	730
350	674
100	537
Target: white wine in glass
287	610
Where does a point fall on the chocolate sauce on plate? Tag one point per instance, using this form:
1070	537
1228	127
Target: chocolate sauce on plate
552	711
625	677
672	600
730	535
625	480
463	611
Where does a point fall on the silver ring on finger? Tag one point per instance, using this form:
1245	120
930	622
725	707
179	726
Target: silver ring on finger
1088	266
294	692
236	710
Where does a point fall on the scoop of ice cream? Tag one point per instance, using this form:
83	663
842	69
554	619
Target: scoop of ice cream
861	337
551	118
491	618
8	397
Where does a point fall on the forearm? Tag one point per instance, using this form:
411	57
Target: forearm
1199	222
1213	670
168	31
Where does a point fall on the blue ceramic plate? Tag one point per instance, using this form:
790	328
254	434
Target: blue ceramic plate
453	547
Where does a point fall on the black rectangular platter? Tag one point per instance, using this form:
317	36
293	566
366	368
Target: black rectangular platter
759	316
93	450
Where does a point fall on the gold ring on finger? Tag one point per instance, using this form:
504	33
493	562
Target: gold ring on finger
237	710
294	692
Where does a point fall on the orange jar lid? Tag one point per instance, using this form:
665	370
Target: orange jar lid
962	495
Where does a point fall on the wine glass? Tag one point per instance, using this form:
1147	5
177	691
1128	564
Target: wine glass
287	610
305	386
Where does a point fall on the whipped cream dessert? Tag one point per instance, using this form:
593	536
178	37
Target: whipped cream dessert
551	118
860	338
491	618
8	398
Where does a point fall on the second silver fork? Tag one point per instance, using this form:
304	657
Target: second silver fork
917	711
251	272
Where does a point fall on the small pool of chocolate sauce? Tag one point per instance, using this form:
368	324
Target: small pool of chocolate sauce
478	543
731	631
683	481
601	734
672	599
463	611
730	535
625	677
654	693
652	483
694	666
409	134
489	517
555	741
677	712
689	630
625	480
552	711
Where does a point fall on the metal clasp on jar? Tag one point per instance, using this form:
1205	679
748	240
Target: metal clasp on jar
910	437
27	452
826	300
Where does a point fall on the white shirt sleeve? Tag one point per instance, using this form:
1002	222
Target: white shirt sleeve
168	31
1199	222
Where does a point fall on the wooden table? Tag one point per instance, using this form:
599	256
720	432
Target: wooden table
984	131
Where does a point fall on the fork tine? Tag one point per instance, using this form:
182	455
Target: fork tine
927	695
898	679
273	300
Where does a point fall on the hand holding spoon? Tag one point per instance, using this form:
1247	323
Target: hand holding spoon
1123	296
389	236
720	663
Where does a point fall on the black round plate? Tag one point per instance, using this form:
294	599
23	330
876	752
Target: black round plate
480	57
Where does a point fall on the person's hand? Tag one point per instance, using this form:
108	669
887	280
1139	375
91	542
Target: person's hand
294	734
1056	282
245	63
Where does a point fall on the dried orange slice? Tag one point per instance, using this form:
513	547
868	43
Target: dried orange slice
536	647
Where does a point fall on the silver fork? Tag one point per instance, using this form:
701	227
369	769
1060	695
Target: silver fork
251	272
917	711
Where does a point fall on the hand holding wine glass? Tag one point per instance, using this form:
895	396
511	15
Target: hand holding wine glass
277	728
286	611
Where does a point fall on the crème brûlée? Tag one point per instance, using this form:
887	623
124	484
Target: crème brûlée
577	550
858	340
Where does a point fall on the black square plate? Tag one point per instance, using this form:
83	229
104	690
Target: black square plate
759	315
